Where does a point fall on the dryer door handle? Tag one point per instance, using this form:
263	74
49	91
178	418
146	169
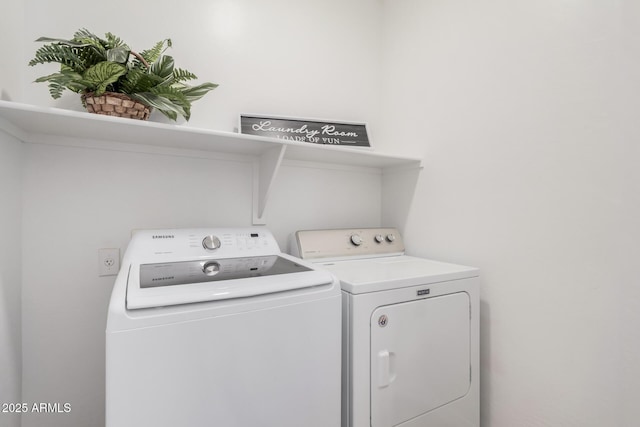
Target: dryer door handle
386	368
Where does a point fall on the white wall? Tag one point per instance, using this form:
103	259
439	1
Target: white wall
526	114
11	40
308	59
310	196
11	159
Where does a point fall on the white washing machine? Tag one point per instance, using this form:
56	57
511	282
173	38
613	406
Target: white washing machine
410	330
216	327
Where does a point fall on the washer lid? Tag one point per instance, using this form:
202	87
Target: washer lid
379	274
209	279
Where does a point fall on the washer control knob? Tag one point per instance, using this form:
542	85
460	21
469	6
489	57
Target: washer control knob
211	243
356	239
391	238
211	268
378	238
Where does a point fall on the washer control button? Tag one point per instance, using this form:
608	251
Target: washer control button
211	268
211	243
356	239
378	238
391	238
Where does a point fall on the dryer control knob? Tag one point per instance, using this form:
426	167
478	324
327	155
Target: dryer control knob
378	238
391	238
211	268
211	243
356	239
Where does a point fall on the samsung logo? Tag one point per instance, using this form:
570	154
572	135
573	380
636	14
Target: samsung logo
158	279
163	236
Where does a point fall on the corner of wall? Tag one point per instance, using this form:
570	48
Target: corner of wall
11	159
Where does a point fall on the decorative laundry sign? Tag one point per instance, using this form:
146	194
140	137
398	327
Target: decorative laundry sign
303	130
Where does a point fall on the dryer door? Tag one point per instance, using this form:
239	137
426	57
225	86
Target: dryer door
419	357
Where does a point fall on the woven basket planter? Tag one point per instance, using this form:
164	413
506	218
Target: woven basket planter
115	104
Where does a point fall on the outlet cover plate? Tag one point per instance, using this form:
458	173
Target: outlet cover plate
108	261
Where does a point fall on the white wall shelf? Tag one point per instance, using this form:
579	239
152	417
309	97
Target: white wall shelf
29	123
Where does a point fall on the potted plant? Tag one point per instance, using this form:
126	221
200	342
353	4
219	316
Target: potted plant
114	80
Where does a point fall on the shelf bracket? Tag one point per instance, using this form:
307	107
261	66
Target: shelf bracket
265	169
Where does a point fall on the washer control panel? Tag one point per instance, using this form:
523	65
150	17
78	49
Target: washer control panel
198	243
340	243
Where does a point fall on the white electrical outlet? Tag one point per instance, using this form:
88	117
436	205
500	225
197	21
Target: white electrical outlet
108	261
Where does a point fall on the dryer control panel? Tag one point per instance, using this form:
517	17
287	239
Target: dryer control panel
347	243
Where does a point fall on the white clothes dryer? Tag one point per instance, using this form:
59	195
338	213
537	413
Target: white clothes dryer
216	327
410	330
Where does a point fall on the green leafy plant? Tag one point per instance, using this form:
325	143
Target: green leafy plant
89	63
